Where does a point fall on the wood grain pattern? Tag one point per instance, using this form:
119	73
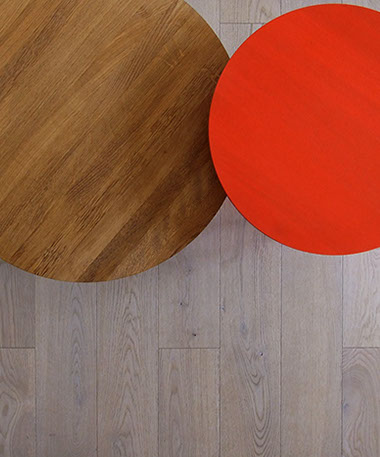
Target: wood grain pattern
17	403
233	35
189	404
209	10
106	168
16	307
361	406
361	299
289	5
251	330
374	4
250	10
311	354
188	291
66	369
128	367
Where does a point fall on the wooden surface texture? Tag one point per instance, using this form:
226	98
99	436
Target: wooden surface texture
118	372
105	164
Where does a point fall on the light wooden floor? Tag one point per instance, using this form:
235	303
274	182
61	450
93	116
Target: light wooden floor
237	347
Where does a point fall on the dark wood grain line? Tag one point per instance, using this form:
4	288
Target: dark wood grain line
128	366
66	364
189	403
17	403
17	307
361	403
250	351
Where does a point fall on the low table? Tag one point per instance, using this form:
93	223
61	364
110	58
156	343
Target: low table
295	129
105	163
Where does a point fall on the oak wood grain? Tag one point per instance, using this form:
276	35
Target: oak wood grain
188	292
128	367
106	169
311	355
66	369
251	331
189	403
17	403
17	312
361	404
373	4
233	35
209	10
289	5
250	10
361	298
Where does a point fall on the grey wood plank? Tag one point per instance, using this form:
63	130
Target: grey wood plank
128	367
289	5
189	299
66	369
189	403
374	4
361	407
233	35
311	354
253	11
209	10
251	329
17	312
361	294
17	403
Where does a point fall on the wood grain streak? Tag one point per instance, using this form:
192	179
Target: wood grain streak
361	407
233	35
17	312
106	169
189	403
250	353
17	403
128	367
289	5
362	299
311	354
66	369
250	10
209	10
189	293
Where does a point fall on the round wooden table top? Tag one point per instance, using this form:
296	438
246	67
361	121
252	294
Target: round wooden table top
295	129
105	163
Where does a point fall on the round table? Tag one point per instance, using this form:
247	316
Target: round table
295	129
105	163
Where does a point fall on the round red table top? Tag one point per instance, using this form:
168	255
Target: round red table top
295	129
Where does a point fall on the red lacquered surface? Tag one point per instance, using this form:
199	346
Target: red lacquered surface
295	129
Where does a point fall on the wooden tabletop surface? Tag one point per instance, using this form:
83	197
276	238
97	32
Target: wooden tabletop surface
105	164
295	129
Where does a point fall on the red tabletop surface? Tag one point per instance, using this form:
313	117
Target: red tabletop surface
295	129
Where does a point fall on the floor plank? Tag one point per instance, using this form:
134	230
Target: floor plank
361	295
17	290
250	353
17	403
374	4
189	403
311	354
233	35
254	11
209	10
128	367
189	299
289	5
361	407
66	369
